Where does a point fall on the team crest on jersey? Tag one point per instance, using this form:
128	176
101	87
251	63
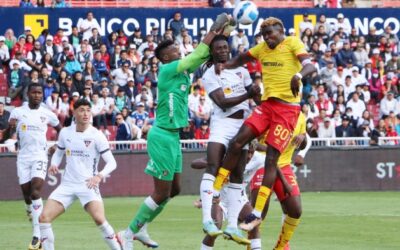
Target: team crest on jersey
183	87
87	143
43	119
165	173
239	74
23	127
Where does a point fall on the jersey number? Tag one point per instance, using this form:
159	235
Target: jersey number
281	132
41	165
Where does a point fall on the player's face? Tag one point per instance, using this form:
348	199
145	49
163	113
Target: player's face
272	35
83	115
35	95
173	53
220	51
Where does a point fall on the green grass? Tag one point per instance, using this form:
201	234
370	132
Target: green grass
337	221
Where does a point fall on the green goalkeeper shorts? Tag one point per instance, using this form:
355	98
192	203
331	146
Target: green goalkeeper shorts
165	153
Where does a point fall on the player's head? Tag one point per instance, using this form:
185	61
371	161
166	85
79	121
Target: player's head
167	51
82	111
219	48
272	30
35	94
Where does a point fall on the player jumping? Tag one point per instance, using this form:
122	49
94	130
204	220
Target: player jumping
229	92
163	144
82	145
284	62
30	121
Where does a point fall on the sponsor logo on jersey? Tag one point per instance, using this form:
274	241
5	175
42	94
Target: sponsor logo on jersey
87	143
227	91
68	152
272	64
23	127
208	192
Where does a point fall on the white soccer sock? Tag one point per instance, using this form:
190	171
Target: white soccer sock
150	203
28	208
206	196
47	236
109	236
37	207
204	247
255	244
234	203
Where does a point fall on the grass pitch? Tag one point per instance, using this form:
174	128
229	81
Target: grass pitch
337	221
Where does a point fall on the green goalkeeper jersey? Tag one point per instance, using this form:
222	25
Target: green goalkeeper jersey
173	89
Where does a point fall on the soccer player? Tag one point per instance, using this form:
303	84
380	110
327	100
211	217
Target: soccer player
290	203
284	62
31	121
229	92
163	145
82	145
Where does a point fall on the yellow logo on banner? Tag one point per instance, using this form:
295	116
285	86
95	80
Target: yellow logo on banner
37	23
297	19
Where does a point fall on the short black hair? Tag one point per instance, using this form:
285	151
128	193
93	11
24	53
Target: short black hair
82	102
34	85
161	47
216	39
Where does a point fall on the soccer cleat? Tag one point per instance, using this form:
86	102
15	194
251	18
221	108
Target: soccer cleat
236	235
250	223
221	21
35	244
145	239
126	244
211	229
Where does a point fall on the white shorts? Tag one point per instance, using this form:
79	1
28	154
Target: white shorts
223	129
223	204
67	192
29	169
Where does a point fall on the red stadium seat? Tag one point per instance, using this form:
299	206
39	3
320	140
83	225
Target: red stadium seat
3	85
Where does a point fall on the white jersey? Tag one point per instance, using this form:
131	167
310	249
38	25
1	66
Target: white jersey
233	83
32	129
82	151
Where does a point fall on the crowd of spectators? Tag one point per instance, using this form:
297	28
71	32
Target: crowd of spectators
353	94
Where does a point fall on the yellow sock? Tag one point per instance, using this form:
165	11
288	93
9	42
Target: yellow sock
262	197
220	179
288	228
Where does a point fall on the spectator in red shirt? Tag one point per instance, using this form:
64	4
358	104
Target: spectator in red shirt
203	132
104	55
20	46
57	39
122	40
324	103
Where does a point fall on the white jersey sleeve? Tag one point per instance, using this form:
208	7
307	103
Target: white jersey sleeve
60	142
14	114
246	77
52	119
102	144
211	81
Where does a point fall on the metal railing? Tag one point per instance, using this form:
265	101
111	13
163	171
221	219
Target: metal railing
201	145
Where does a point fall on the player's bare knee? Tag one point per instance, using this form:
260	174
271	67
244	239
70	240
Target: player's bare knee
44	218
35	194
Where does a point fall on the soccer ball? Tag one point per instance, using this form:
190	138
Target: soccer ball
245	12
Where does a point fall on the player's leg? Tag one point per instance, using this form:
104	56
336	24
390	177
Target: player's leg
215	153
26	193
143	236
50	212
95	209
243	137
217	216
235	201
291	206
38	174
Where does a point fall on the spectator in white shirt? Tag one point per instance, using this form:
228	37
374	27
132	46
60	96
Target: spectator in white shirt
356	78
337	79
313	110
85	26
348	87
342	23
389	104
327	130
357	105
4	53
365	92
194	99
305	24
239	39
109	104
98	112
121	75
